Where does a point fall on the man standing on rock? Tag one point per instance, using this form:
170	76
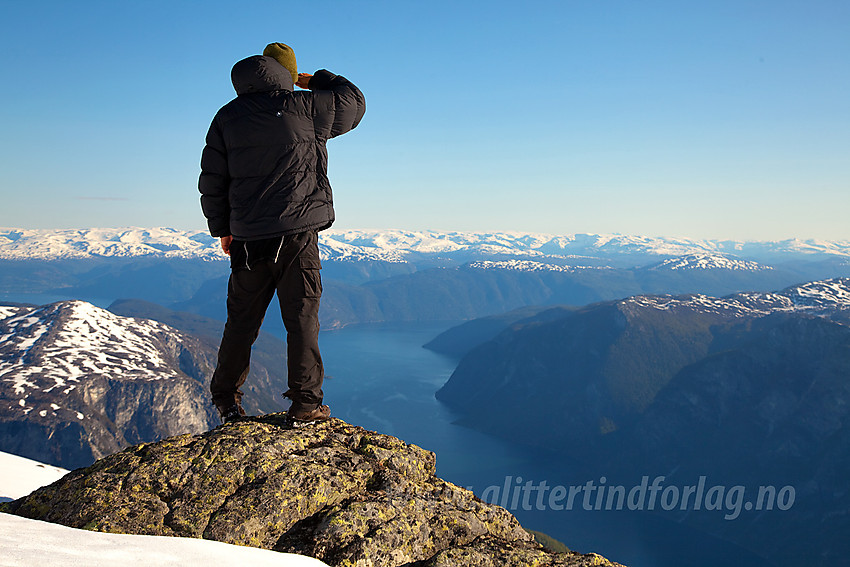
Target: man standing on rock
265	192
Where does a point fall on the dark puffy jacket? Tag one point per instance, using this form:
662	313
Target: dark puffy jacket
264	167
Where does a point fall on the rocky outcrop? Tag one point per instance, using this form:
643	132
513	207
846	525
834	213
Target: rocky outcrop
334	491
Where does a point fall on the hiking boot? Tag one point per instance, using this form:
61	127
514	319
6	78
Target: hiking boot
296	418
231	413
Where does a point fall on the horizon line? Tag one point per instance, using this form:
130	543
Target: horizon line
460	232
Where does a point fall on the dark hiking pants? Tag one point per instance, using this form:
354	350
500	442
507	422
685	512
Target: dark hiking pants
293	272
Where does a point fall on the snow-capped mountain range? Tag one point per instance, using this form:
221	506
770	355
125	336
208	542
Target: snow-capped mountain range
678	263
825	297
403	246
528	266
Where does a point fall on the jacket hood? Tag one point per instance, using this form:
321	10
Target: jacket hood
258	73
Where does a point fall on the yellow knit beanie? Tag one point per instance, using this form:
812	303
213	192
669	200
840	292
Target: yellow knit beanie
285	56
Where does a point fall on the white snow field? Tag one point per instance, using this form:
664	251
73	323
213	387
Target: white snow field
31	543
20	476
390	245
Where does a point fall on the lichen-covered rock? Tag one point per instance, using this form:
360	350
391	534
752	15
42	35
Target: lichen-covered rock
334	491
487	552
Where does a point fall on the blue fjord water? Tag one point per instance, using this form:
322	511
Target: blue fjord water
381	378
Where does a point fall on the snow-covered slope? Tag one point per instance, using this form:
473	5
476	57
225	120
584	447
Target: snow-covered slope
708	262
31	543
393	245
54	346
91	382
21	476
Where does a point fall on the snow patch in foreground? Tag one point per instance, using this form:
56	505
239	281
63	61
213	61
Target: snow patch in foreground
20	476
33	543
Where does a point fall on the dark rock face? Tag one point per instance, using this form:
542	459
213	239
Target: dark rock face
334	491
748	391
769	407
576	379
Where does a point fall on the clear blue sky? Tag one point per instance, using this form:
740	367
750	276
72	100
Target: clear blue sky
721	119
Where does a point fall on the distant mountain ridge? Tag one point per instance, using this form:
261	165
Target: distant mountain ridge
63	244
394	275
815	298
397	245
707	262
